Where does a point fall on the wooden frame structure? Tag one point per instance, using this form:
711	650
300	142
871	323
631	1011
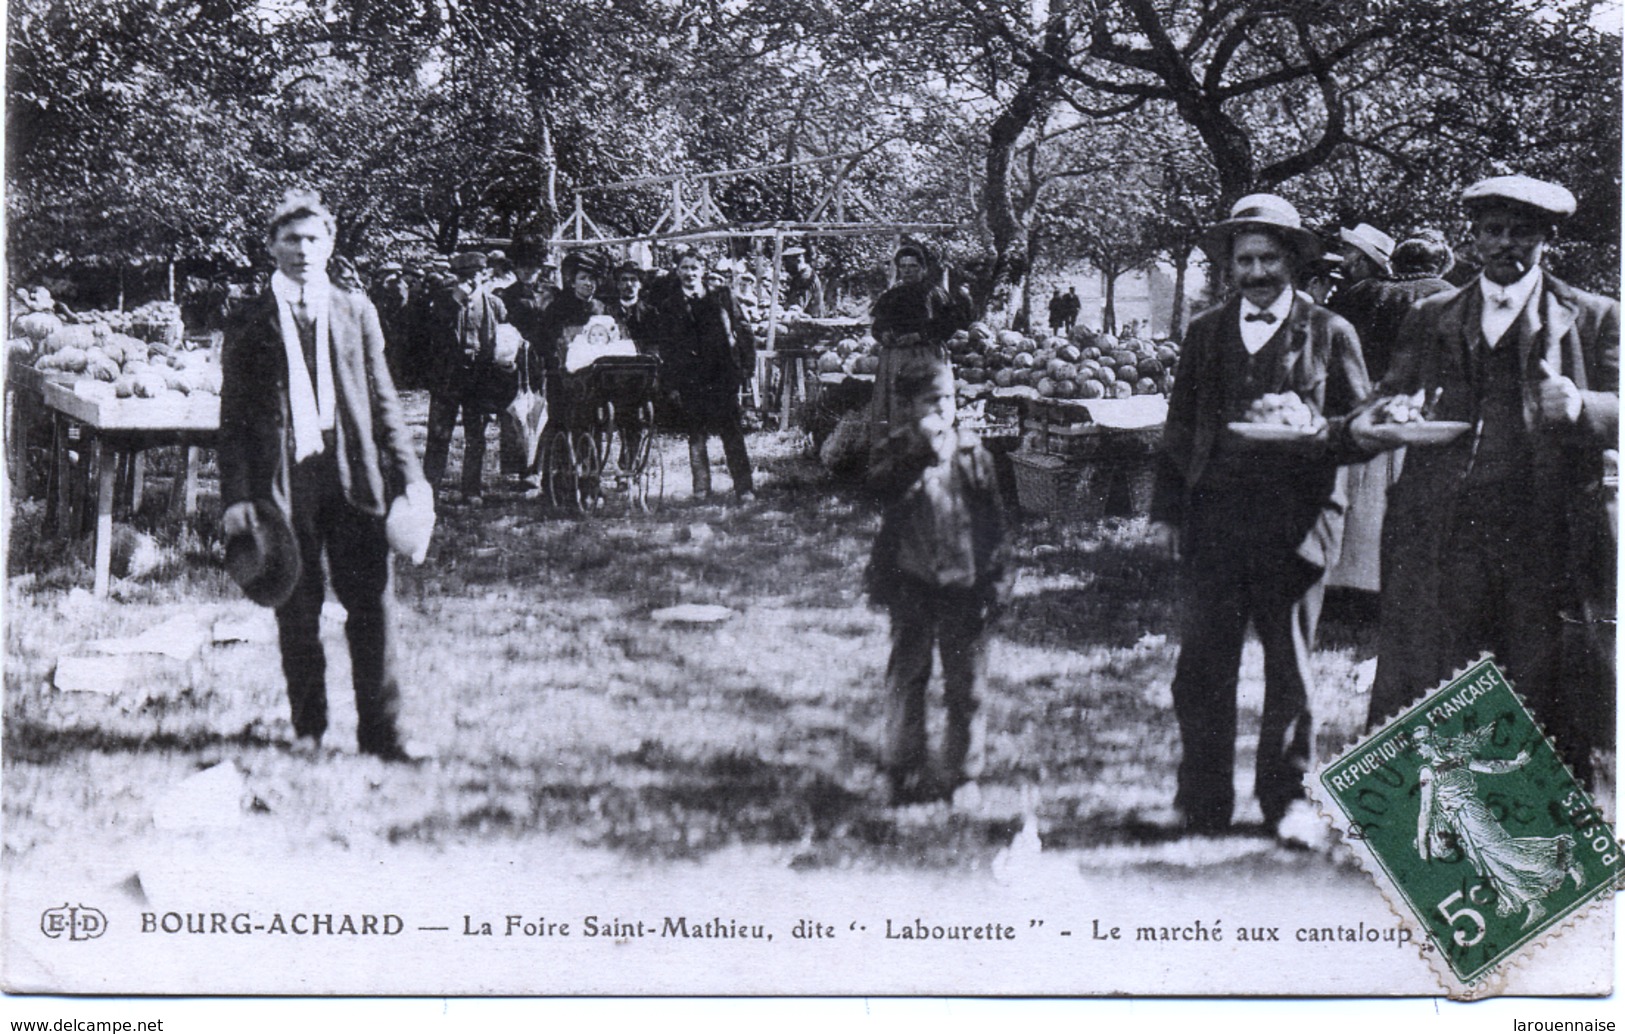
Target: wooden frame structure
690	214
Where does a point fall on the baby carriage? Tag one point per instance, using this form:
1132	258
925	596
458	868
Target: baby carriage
600	436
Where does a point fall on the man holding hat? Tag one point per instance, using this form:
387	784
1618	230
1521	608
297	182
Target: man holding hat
314	450
464	340
1254	524
1498	539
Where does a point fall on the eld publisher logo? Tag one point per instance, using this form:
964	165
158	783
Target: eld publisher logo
76	922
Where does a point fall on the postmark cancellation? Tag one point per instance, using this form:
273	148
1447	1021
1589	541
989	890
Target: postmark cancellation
1475	831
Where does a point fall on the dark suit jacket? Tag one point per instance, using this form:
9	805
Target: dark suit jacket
375	457
1321	361
706	349
1579	337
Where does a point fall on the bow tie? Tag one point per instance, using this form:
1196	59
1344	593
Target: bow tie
1259	317
1501	301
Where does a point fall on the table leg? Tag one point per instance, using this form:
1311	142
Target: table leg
62	471
106	471
27	414
786	385
16	448
138	480
189	494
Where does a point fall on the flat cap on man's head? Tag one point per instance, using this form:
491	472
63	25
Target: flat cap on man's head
1551	200
467	261
297	204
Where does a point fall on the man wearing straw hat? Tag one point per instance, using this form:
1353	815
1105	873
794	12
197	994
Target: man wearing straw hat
1376	303
314	450
1367	252
1499	540
1255	524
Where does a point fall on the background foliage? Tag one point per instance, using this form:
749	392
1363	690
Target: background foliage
1108	130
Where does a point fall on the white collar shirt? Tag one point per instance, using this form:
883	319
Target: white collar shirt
1503	303
1256	333
313	292
313	411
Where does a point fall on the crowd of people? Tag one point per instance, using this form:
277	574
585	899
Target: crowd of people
443	322
1499	540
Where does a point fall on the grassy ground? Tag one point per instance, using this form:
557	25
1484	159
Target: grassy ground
555	707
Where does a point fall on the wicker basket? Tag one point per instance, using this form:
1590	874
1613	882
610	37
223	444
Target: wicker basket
1048	484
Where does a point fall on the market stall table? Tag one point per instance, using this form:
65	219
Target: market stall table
792	353
27	421
128	426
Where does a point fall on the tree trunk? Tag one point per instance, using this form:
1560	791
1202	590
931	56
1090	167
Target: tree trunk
1176	319
1229	146
1033	99
1108	312
1035	236
548	203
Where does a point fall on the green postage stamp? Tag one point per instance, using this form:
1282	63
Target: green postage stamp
1473	827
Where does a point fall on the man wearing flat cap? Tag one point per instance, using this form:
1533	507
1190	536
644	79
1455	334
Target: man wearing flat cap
391	294
311	432
1497	540
463	340
1254	524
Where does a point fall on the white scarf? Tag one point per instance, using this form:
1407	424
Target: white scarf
312	412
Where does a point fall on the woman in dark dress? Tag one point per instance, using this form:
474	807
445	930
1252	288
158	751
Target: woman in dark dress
914	318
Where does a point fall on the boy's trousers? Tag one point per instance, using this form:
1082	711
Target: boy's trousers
954	622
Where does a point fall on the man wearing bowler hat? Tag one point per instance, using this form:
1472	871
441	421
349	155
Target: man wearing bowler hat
1255	524
314	450
1498	540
